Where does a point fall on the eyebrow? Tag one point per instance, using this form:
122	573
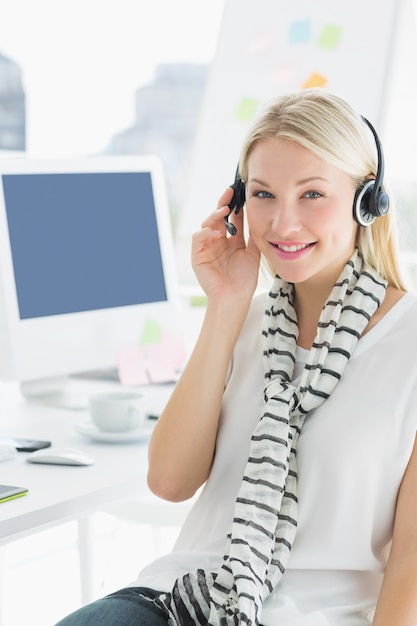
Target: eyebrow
298	183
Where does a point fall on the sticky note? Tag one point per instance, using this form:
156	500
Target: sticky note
174	345
261	43
160	364
246	109
314	80
300	31
283	73
151	333
132	366
198	300
166	358
329	37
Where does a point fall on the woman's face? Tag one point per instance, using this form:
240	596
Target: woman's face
299	211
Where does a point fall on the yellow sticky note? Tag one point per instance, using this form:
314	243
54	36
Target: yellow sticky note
246	109
314	80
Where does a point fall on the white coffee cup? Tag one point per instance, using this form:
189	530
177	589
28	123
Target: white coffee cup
117	412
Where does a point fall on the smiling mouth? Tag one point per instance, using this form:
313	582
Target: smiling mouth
293	247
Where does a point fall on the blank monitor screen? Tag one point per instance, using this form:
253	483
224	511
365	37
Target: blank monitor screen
80	242
87	266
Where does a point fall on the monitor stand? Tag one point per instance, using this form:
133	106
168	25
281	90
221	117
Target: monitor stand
69	392
60	392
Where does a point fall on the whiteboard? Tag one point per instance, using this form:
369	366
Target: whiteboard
271	47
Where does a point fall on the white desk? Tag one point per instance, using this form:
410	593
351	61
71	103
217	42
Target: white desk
61	493
58	494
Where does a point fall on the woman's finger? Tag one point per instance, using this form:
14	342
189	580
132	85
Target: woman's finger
215	219
225	198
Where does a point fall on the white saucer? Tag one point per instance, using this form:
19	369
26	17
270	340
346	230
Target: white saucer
90	430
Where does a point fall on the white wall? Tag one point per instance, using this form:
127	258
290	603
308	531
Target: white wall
270	47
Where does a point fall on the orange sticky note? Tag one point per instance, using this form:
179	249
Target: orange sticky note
314	80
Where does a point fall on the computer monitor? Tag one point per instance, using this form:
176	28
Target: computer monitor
86	266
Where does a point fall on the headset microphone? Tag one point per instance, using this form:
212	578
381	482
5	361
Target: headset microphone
237	201
370	200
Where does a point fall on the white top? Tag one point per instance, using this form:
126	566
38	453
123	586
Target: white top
352	454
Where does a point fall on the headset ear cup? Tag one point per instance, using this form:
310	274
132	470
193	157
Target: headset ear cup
361	209
381	203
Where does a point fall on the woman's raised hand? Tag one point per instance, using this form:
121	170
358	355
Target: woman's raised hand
225	266
227	269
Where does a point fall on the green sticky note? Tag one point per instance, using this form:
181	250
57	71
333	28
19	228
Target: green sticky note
246	109
151	333
329	37
198	300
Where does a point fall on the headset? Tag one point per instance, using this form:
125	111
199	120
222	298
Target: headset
237	201
370	200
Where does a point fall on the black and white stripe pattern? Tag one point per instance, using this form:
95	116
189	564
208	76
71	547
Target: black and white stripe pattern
265	519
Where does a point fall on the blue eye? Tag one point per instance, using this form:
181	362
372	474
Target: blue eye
313	195
262	194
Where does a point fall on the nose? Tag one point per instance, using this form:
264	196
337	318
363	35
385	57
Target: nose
286	220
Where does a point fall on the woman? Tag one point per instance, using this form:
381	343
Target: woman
296	410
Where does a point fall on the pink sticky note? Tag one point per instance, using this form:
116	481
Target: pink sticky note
132	367
160	364
166	358
174	345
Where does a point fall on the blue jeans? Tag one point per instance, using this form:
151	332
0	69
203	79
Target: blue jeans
122	608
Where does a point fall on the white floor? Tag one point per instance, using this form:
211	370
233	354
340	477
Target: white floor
40	580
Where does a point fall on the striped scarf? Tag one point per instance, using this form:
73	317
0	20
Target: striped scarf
265	517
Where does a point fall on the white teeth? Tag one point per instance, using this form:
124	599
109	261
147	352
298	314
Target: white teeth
293	248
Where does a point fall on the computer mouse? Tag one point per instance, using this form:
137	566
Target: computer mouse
7	452
60	456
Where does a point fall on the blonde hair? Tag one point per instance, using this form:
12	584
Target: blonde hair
328	126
